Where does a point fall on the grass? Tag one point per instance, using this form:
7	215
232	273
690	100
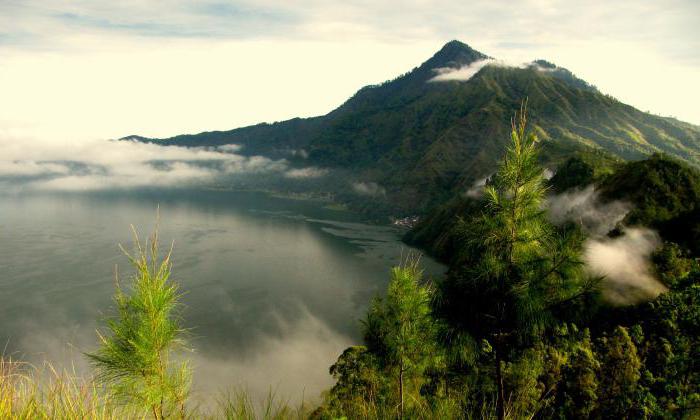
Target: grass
42	392
238	404
31	392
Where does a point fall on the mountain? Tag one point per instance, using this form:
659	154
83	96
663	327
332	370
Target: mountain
422	141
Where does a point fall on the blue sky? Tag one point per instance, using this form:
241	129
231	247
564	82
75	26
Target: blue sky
104	68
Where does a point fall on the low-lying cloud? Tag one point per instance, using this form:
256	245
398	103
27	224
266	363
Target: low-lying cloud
464	73
477	188
106	164
293	366
231	148
299	153
304	173
371	189
238	164
585	207
623	261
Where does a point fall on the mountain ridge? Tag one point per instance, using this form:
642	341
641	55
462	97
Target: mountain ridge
425	141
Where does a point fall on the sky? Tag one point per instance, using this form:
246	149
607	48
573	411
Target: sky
94	69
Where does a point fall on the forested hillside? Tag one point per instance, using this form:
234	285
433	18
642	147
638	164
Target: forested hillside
663	193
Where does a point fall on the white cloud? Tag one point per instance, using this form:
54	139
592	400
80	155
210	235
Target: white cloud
310	172
292	361
127	176
255	164
368	188
300	153
586	208
101	164
477	188
464	73
288	364
27	168
624	261
232	148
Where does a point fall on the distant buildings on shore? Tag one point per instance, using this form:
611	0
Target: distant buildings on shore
407	222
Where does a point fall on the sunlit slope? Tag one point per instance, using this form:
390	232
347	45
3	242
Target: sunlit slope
424	140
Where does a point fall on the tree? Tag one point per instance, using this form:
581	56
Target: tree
359	386
400	329
574	173
134	359
620	372
517	267
578	391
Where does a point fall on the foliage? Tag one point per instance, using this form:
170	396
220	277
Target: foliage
619	373
516	268
575	172
673	264
438	233
134	359
360	386
400	330
665	194
577	392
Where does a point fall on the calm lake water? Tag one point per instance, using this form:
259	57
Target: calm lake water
274	287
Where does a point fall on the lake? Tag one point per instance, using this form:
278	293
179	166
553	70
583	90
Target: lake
274	288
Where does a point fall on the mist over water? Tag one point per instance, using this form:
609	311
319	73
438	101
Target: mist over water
274	288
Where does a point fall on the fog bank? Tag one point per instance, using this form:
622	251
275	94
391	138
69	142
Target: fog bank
622	261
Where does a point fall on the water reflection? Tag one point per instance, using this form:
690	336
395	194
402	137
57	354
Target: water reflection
274	287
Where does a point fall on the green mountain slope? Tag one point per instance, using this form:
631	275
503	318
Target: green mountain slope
664	194
423	141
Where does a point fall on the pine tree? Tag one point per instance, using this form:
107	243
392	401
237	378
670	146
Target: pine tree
134	360
517	266
400	328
